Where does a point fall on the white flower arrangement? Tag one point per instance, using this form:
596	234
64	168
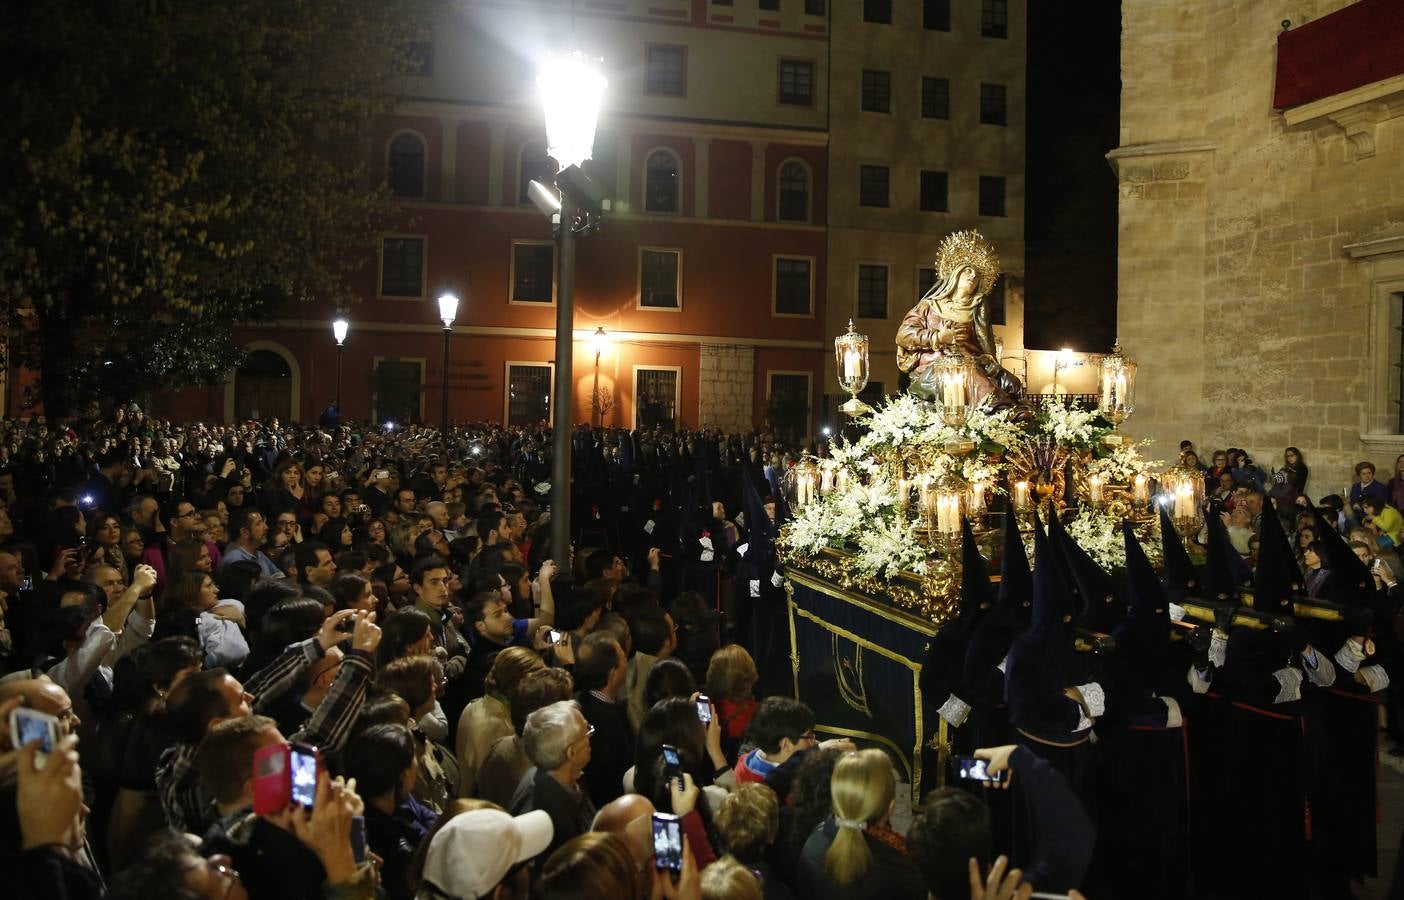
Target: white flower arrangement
1070	426
1123	464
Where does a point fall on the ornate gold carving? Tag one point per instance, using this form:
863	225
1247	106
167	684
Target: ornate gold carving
933	598
969	248
856	698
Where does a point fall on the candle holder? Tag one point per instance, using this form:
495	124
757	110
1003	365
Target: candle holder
955	378
1095	489
801	484
1184	494
851	354
1118	386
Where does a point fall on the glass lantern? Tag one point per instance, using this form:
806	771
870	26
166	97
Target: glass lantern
1184	495
801	483
851	354
955	379
1118	387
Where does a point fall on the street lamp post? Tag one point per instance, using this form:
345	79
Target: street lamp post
448	309
571	89
598	341
340	326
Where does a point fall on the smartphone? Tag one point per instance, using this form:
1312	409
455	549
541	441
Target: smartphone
554	636
27	584
972	769
667	842
29	724
704	709
358	838
671	761
284	774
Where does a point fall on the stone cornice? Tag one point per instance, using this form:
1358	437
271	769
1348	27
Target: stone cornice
1158	149
1379	246
1357	112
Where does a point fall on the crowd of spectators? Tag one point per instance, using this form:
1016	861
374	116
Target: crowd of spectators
196	610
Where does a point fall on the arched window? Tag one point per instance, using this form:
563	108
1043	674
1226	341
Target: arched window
794	192
661	188
405	166
535	166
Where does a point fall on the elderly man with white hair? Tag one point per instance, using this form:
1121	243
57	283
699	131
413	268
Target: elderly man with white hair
557	741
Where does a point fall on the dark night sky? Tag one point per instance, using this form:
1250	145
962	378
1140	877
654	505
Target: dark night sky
1074	85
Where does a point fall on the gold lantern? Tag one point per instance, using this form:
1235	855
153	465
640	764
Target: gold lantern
801	483
955	379
1118	386
1183	493
851	354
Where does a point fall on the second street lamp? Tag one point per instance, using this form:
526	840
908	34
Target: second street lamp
340	326
448	310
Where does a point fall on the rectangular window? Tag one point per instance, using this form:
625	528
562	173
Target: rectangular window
794	287
877	91
926	280
656	398
877	11
397	393
770	5
528	394
660	279
796	82
991	195
402	267
935	98
992	104
872	291
665	70
814	7
994	18
995	302
533	271
787	402
872	186
936	15
933	192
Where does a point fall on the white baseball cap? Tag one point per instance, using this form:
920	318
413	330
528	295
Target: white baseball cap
475	850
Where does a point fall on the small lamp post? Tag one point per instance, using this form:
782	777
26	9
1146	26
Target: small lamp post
598	342
851	354
340	326
448	310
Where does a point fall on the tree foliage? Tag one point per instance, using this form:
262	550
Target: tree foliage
174	167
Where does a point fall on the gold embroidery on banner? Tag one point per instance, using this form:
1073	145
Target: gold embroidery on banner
856	699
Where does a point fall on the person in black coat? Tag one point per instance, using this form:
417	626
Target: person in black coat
600	673
557	741
382	760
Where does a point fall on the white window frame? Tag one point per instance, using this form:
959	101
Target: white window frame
634	392
638	280
512	273
643	182
774	283
422	361
809	393
424	176
423	266
808	191
507	385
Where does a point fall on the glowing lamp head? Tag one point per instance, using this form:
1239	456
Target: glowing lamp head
339	328
599	341
572	87
827	431
448	308
1066	357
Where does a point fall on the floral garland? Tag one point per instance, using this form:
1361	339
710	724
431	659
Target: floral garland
1122	464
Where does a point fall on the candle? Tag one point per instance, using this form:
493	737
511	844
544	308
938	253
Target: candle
1140	491
842	480
1184	502
1094	489
948	513
977	498
904	493
826	480
850	365
1021	496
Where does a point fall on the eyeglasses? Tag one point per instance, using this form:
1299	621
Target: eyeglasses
184	515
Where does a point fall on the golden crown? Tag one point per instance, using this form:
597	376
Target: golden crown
969	248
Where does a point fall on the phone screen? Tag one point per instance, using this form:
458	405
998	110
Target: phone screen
358	838
670	757
304	777
555	636
972	769
704	709
30	726
667	842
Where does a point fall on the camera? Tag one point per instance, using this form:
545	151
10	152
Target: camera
667	842
284	774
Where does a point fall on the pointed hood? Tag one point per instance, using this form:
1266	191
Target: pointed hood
1015	578
1224	570
1051	622
1099	608
1278	576
1143	636
1351	578
974	575
1180	576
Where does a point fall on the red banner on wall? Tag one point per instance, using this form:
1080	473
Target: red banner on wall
1354	46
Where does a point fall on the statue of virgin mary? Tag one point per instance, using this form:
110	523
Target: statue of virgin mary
954	318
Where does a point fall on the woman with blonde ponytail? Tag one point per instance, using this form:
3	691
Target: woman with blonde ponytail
854	854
